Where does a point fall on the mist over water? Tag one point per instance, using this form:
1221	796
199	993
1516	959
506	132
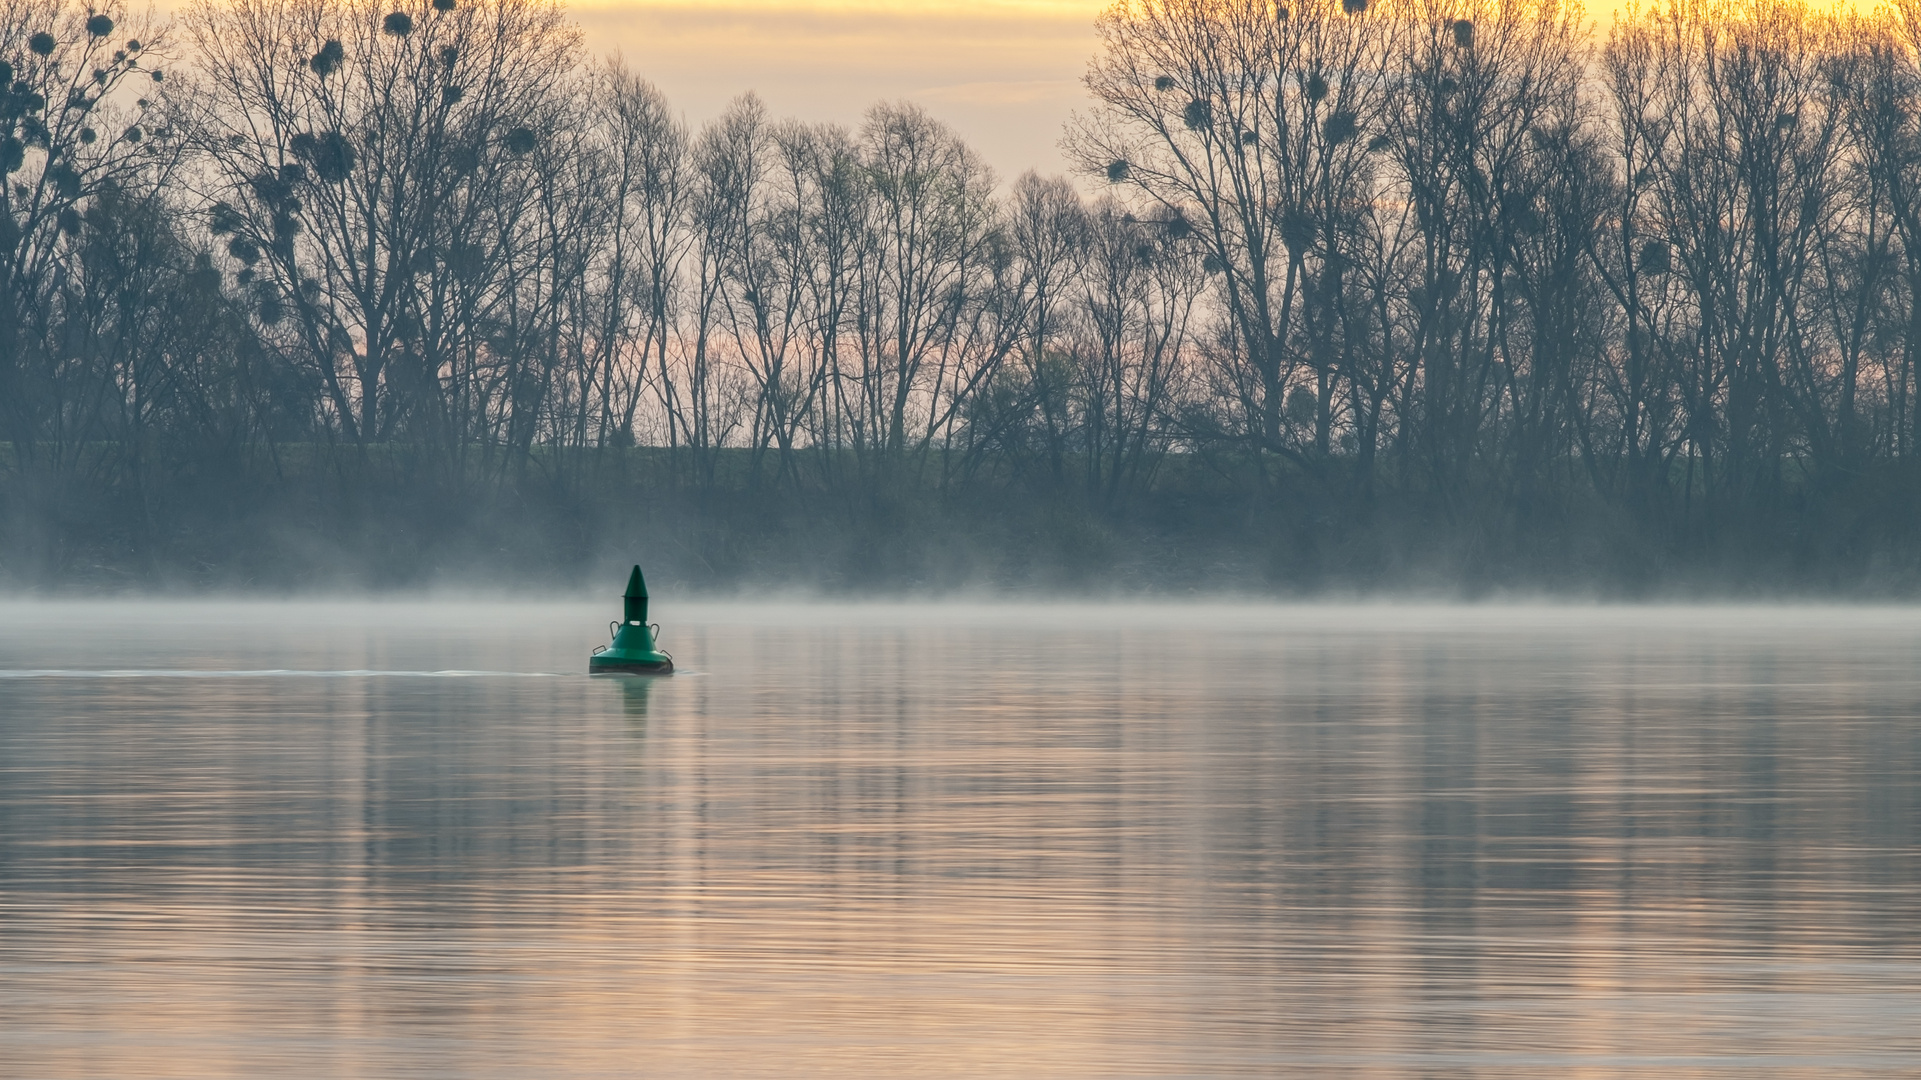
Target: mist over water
357	840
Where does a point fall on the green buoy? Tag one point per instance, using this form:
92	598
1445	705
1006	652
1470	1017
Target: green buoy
632	651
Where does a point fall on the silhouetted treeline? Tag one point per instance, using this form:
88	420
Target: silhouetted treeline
1424	294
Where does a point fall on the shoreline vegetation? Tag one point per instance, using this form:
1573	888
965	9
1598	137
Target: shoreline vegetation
1445	299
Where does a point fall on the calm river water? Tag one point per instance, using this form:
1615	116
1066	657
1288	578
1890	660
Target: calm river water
393	840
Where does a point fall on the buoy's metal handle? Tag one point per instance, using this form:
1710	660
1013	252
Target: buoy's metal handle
613	628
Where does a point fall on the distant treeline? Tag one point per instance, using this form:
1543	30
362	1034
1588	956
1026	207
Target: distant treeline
1417	294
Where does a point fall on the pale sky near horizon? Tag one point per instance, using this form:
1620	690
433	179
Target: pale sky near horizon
1005	74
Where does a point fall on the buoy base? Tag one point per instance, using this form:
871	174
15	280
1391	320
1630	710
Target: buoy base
596	666
632	652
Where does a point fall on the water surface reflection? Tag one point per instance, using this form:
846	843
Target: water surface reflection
962	842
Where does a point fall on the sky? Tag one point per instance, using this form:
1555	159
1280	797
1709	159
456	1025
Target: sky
1004	73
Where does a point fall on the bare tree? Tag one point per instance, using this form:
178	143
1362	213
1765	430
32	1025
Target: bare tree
636	304
356	156
1249	124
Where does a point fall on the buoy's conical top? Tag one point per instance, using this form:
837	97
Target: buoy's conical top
636	597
